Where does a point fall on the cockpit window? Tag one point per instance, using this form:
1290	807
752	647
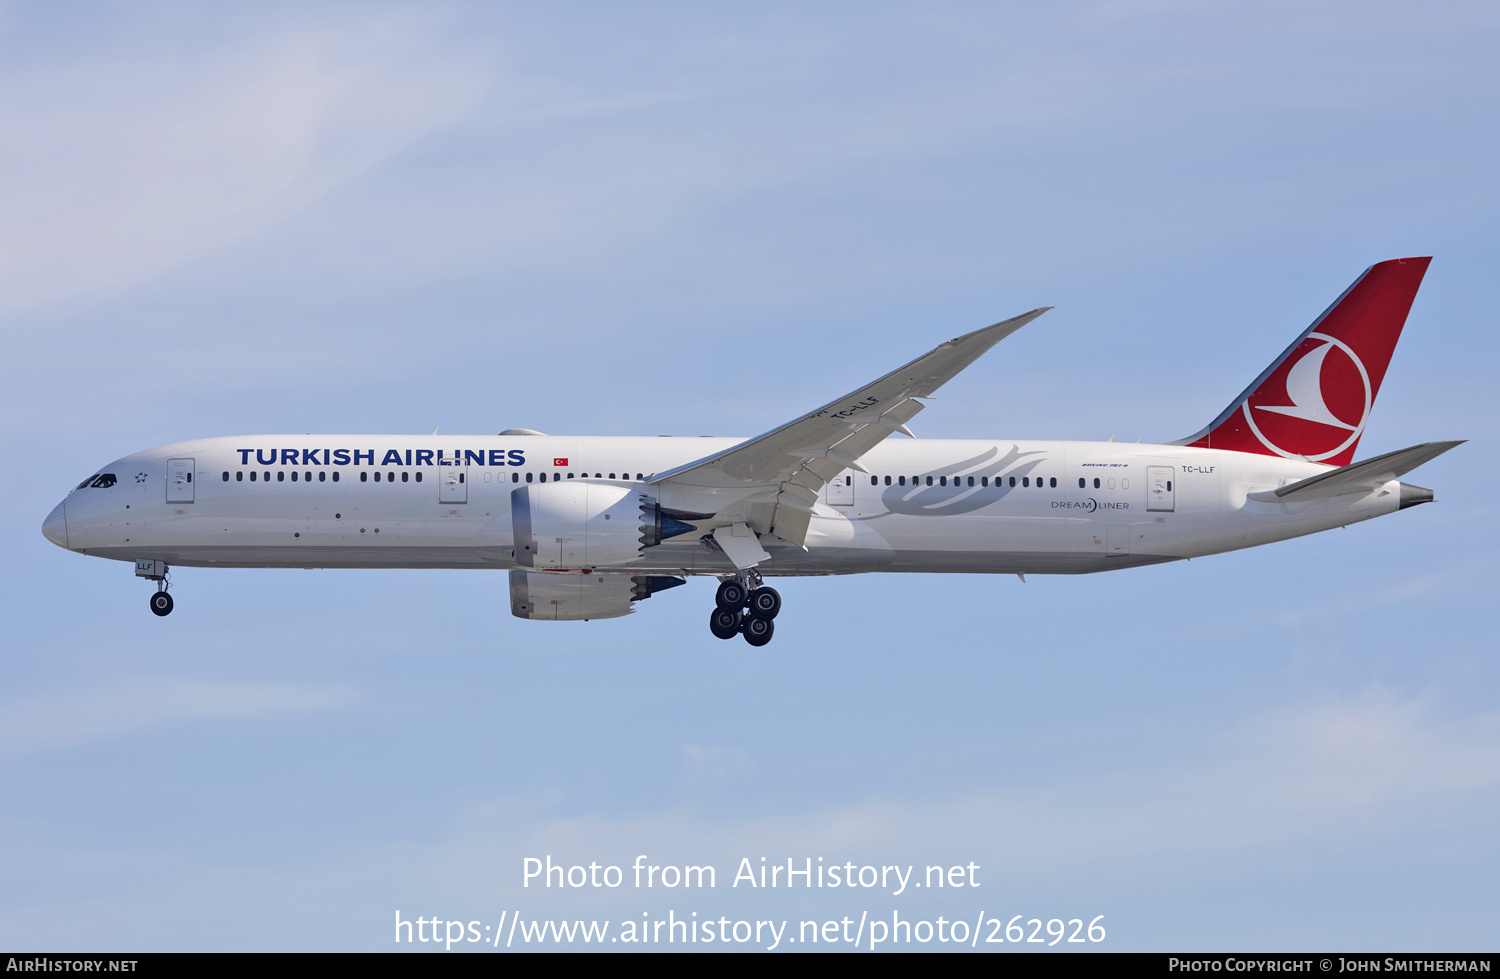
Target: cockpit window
103	481
84	483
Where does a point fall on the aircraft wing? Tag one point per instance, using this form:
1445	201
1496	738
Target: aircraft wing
794	461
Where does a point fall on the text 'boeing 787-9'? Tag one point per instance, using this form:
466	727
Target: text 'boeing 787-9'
587	526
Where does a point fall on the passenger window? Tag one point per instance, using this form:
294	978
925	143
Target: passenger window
335	475
984	480
1052	482
239	477
322	477
528	477
405	477
294	475
377	477
943	480
252	475
1124	484
419	476
515	477
281	475
1096	482
929	480
364	477
1025	480
226	475
887	480
971	480
900	480
1012	480
570	475
611	475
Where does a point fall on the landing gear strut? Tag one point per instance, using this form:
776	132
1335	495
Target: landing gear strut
744	606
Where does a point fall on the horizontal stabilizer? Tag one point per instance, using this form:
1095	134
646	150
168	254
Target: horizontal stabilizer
1359	476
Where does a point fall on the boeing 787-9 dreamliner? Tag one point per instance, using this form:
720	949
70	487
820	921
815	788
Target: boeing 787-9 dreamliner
588	526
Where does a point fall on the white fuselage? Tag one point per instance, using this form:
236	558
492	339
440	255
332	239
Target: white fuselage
935	505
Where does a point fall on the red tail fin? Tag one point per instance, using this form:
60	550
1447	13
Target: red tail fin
1313	402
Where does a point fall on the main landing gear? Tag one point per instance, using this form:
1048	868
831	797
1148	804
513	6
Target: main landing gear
745	610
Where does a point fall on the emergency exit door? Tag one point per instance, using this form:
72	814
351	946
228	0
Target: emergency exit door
179	480
453	484
841	491
1159	492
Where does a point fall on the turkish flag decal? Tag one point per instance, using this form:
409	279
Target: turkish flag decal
559	462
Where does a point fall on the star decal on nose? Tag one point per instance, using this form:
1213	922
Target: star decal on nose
140	477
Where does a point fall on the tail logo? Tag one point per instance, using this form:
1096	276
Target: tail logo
1311	382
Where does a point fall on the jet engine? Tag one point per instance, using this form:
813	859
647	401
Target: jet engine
582	524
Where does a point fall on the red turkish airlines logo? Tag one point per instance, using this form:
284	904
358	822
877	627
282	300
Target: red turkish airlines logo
1320	405
559	462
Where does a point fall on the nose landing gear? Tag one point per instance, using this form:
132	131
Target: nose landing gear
745	607
157	571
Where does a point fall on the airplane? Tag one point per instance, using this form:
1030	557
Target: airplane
588	526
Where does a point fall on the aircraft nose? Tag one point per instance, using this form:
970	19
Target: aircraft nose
55	527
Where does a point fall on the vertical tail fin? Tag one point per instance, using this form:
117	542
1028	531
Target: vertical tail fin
1314	400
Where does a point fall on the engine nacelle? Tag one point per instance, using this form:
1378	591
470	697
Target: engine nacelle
581	524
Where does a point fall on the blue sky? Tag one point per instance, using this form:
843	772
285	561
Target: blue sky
666	219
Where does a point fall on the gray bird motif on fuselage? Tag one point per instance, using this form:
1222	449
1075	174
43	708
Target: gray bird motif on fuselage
957	496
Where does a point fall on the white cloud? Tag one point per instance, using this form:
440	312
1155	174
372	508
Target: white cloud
1354	769
1399	592
123	165
81	717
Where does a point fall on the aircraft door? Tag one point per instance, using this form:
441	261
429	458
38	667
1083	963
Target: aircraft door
1159	492
841	490
179	480
453	484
